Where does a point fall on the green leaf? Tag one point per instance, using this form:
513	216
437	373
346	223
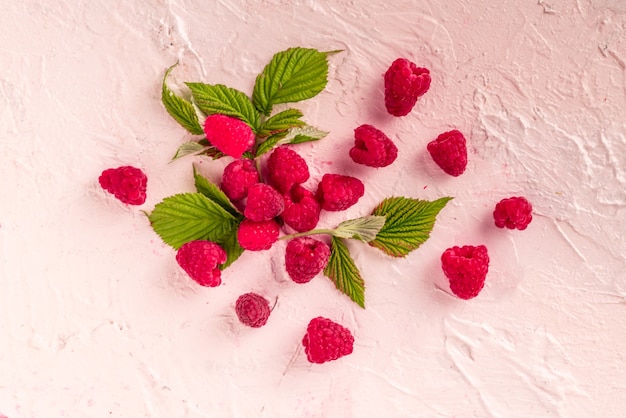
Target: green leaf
180	109
210	190
291	76
191	216
230	244
306	133
408	223
342	270
219	99
213	153
270	143
191	147
363	229
282	121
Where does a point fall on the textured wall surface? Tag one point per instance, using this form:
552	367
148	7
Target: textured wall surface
97	319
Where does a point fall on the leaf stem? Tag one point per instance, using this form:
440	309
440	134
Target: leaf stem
307	233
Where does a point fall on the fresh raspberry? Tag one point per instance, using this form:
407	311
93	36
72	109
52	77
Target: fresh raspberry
252	310
326	340
229	135
286	168
238	176
200	259
337	192
126	183
257	236
449	152
405	82
466	268
513	213
264	203
305	257
302	211
372	147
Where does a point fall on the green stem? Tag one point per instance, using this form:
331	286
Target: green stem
307	233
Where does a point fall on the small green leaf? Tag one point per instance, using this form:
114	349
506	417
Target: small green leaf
408	224
191	147
210	190
270	143
219	99
342	270
213	153
230	244
291	76
282	121
191	216
180	109
363	229
306	133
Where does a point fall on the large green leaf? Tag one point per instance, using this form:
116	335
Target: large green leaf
214	193
291	76
219	99
191	216
408	223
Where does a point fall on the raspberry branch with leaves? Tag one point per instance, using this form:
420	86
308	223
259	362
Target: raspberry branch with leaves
260	199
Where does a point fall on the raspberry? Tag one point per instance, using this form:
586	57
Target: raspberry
326	340
257	236
302	212
238	176
229	135
405	82
126	183
305	257
200	259
513	213
449	152
372	147
336	192
466	268
252	310
286	168
264	203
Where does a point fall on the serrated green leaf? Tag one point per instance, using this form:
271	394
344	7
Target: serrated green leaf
230	244
364	228
342	270
291	76
305	133
282	121
191	216
219	99
180	109
408	223
270	142
210	190
191	147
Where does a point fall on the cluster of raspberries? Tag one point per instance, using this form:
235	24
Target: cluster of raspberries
279	198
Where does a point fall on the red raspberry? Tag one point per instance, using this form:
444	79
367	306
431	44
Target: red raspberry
405	82
466	268
252	310
230	135
200	260
257	236
305	257
513	213
238	176
372	147
126	183
264	203
336	192
449	152
286	168
326	340
302	211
